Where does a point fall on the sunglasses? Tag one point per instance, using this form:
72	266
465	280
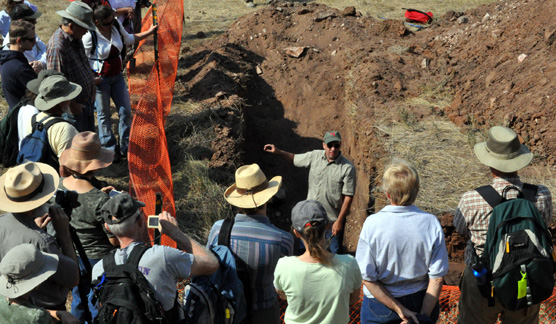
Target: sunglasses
333	145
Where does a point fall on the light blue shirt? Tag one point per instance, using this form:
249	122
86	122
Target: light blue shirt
401	247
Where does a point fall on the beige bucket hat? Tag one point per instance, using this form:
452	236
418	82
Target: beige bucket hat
503	151
27	186
86	154
79	13
251	189
23	268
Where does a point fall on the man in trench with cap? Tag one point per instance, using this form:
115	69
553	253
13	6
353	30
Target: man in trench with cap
24	194
331	182
505	156
65	53
256	243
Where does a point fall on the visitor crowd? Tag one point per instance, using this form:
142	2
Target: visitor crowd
401	256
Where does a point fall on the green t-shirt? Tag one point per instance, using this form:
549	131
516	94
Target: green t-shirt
317	294
22	314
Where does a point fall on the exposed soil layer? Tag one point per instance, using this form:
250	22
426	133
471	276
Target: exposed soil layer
300	69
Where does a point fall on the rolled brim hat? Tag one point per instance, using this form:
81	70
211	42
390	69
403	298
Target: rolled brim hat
307	211
54	90
251	189
503	151
119	208
23	11
79	13
23	268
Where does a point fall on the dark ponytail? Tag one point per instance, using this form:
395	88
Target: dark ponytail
314	236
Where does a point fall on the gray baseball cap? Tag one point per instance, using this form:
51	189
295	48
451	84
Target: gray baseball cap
121	207
332	136
307	211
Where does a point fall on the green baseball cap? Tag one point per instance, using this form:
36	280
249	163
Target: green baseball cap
332	136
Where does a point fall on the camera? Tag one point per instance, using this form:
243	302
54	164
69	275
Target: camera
66	199
153	222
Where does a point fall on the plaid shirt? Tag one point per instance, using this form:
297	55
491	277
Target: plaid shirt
67	55
473	213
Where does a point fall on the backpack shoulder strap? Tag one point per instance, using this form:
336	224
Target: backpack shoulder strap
109	261
94	38
529	191
225	232
492	197
52	122
136	254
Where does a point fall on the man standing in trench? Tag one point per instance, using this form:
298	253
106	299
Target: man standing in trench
331	182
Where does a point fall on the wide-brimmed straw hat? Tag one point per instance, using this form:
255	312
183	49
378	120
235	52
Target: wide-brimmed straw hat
86	154
503	151
55	89
251	189
27	186
79	13
23	268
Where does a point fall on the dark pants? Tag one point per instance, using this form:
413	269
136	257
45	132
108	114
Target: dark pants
374	312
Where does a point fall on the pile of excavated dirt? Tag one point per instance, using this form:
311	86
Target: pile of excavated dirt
299	69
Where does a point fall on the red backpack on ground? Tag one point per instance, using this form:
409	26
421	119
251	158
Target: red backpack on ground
414	15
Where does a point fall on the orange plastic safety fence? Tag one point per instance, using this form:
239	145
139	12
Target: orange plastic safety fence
448	307
151	87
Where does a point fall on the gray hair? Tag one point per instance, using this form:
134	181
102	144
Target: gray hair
125	228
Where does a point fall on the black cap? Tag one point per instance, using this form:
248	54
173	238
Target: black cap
23	11
121	207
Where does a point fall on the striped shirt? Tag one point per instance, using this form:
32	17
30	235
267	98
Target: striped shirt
260	244
473	213
67	55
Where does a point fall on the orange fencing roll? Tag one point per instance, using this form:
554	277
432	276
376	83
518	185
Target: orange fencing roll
151	87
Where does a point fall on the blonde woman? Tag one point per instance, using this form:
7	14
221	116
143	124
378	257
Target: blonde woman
319	286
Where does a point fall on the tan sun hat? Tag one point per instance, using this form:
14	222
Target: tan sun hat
86	154
503	151
251	189
23	268
27	186
79	13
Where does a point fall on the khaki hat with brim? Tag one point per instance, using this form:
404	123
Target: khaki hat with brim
34	84
23	268
251	189
54	90
86	154
27	186
79	13
503	151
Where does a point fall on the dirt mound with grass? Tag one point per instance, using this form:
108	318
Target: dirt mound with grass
299	69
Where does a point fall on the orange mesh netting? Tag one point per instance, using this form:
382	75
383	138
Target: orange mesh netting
448	307
151	87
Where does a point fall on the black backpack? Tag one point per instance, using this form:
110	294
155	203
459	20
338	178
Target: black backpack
518	250
9	138
124	295
35	146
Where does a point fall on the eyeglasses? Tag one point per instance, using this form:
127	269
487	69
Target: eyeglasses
333	145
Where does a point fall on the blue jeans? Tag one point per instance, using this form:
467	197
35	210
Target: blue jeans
374	312
335	241
113	87
77	309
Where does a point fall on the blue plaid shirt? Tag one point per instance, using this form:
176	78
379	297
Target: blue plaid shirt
260	244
